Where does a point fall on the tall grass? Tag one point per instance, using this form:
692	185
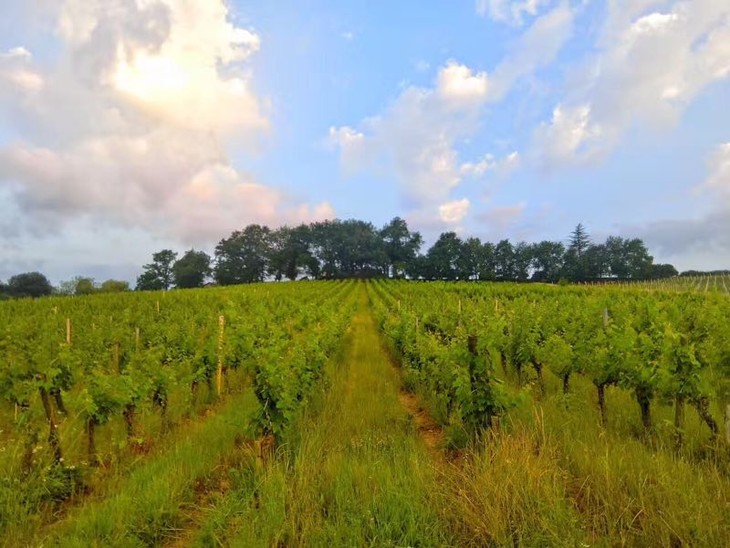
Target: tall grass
352	473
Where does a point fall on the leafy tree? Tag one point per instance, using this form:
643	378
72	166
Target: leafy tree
470	262
148	281
659	271
158	274
243	257
595	262
114	286
401	246
191	269
504	261
84	286
522	260
360	251
638	260
29	284
442	257
547	261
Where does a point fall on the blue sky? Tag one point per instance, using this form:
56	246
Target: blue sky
131	125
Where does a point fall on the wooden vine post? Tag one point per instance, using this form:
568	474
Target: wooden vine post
68	331
219	373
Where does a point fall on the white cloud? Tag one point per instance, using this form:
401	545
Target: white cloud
17	74
510	11
537	47
499	219
650	65
460	86
490	164
701	241
719	167
154	92
415	137
570	136
454	212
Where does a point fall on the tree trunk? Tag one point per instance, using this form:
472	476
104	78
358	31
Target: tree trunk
540	380
503	362
566	383
58	397
679	420
128	413
91	438
601	388
643	397
702	404
518	367
53	439
31	441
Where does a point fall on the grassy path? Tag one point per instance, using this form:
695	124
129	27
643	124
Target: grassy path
354	472
150	503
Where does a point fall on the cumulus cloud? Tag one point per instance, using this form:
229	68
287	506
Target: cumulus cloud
133	122
537	47
17	74
719	166
454	212
510	11
570	136
416	138
702	240
490	164
649	66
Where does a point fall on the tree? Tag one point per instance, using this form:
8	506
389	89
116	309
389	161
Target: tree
84	286
504	261
29	284
470	261
243	257
595	262
401	246
191	269
114	286
547	261
522	260
659	271
148	281
575	267
158	274
638	260
442	258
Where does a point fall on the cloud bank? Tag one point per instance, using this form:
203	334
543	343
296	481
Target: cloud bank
136	121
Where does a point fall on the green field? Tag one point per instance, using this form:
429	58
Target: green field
379	413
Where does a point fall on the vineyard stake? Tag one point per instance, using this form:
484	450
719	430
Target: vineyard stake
68	331
219	374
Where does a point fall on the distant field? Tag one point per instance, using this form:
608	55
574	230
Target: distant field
384	413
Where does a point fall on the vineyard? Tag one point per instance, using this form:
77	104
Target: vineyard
368	413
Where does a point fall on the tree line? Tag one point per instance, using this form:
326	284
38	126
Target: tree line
357	249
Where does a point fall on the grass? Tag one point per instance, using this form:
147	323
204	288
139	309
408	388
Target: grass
352	473
149	505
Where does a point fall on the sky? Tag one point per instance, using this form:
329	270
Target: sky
129	126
